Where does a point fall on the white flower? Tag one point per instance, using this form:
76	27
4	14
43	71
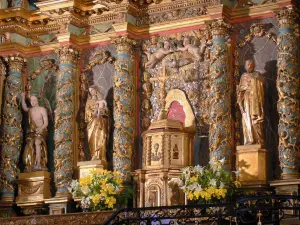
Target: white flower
85	202
198	169
222	161
237	173
194	187
213	182
221	185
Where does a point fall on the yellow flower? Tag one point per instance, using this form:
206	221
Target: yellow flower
84	181
190	196
237	184
96	199
193	179
110	201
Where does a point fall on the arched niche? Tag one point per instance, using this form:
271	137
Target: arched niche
176	95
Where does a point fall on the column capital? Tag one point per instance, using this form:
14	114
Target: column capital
219	28
287	17
124	44
15	62
67	54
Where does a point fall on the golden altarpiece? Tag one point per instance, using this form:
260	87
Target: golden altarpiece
145	88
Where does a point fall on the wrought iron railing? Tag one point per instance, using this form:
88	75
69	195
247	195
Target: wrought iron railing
247	210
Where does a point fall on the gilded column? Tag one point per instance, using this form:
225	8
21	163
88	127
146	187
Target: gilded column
64	119
124	105
220	131
12	135
287	83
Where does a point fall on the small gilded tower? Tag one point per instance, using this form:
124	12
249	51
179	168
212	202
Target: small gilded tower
167	148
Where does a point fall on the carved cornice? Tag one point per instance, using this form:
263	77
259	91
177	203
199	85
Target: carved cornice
67	54
16	63
288	17
124	44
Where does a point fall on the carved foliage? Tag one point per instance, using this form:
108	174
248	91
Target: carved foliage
220	98
124	114
287	83
63	136
12	118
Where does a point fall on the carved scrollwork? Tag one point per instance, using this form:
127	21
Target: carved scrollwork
172	15
185	63
30	189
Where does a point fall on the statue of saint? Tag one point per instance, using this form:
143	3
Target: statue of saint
35	154
96	117
250	97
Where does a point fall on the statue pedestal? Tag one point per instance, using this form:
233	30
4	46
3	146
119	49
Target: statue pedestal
85	167
251	161
33	189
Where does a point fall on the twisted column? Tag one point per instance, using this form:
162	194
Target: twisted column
124	105
12	135
287	83
220	132
64	118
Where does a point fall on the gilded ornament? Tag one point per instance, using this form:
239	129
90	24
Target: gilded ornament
63	135
287	84
124	44
12	136
67	54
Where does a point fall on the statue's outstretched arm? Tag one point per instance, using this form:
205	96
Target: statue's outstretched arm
24	105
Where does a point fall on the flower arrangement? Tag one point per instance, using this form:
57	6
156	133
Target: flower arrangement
99	190
207	184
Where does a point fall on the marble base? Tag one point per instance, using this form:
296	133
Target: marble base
287	187
7	209
58	205
85	167
251	161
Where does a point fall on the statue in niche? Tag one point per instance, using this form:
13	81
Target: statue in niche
197	52
97	119
35	153
250	97
156	156
175	152
163	49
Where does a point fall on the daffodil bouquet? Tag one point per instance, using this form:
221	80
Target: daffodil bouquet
99	190
208	184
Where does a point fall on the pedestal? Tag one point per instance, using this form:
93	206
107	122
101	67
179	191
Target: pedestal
85	167
33	189
251	161
7	209
287	187
58	205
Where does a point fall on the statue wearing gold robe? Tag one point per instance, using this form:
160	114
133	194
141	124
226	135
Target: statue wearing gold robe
250	98
96	117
